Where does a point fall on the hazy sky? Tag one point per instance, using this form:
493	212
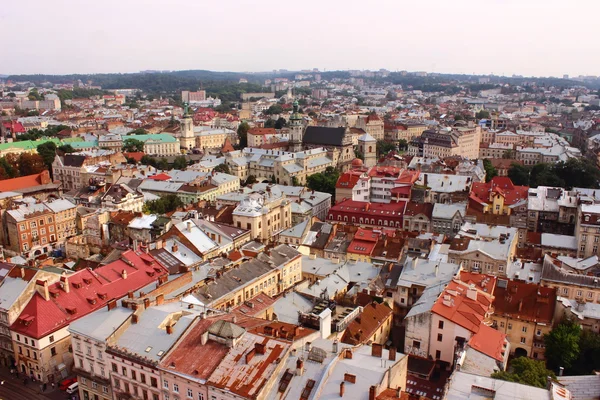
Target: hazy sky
528	37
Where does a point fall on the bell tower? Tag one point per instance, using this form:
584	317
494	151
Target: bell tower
296	130
368	147
186	136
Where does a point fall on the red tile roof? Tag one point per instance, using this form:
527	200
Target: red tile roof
489	342
262	131
88	291
526	301
160	177
454	305
14	126
136	155
23	182
413	209
499	185
227	146
366	324
348	179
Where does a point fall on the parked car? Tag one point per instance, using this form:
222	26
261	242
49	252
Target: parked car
64	385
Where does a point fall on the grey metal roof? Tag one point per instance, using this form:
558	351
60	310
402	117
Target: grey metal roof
226	330
324	136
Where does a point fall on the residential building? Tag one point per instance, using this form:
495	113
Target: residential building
448	218
551	210
158	144
39	185
499	196
368	214
524	312
569	285
72	169
417	216
441	188
264	213
372	125
587	230
40	334
34	228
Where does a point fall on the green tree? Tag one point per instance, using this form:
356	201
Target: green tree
163	205
562	345
48	152
384	147
324	181
458	117
490	170
30	164
10	165
133	145
483	114
518	174
138	131
295	181
509	154
270	123
526	371
180	163
242	132
224	168
34	95
402	144
542	174
251	179
280	123
66	148
274	109
589	354
147	160
163	164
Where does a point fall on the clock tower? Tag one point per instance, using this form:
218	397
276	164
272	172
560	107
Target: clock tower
296	130
187	139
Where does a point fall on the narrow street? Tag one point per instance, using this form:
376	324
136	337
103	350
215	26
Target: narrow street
14	389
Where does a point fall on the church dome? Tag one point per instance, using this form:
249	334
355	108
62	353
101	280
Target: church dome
357	163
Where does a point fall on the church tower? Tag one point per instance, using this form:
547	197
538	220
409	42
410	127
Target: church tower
186	136
367	145
296	130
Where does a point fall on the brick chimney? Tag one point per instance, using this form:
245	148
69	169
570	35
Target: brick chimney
169	329
112	304
392	354
342	389
124	274
134	318
376	350
373	392
146	302
350	378
299	367
64	282
160	299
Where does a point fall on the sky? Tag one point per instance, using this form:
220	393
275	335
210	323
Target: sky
525	37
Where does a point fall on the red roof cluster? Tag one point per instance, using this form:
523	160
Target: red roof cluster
262	131
499	185
85	291
29	181
14	126
525	301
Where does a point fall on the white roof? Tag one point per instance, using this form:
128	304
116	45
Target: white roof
196	236
143	222
463	385
10	290
559	241
446	211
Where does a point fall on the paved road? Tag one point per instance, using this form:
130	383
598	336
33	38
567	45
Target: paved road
13	389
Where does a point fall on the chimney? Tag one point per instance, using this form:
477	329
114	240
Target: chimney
169	329
437	269
342	389
134	318
392	354
65	283
22	273
259	348
130	294
160	299
348	354
299	367
334	349
189	226
520	305
373	392
561	370
174	248
414	263
350	378
376	350
42	288
146	302
124	274
112	304
250	356
204	338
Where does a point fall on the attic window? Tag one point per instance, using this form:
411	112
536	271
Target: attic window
76	285
71	310
160	353
102	296
91	300
54	293
88	281
148	349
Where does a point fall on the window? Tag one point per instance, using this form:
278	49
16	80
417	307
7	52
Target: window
175	388
89	350
165	384
94	385
439	337
104	389
200	396
153	382
538	332
523	340
501	324
190	393
441	325
133	375
143	378
83	381
524	329
53	351
99	354
438	354
123	371
51	338
102	371
509	325
115	368
416	344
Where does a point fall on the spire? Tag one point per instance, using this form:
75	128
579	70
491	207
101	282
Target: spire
186	112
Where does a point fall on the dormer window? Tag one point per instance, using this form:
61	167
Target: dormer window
587	218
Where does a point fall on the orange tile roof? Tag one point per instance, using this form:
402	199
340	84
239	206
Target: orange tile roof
262	131
526	301
489	342
502	185
454	305
23	182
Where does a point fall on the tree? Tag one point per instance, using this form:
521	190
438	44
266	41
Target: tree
518	174
30	164
133	145
562	345
526	371
66	148
34	95
509	154
48	152
589	354
483	114
251	180
542	175
242	132
147	160
274	109
458	117
280	123
270	123
163	205
180	163
295	181
163	164
402	144
384	147
490	170
138	131
324	181
224	168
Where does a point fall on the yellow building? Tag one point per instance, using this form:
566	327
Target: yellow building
264	213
